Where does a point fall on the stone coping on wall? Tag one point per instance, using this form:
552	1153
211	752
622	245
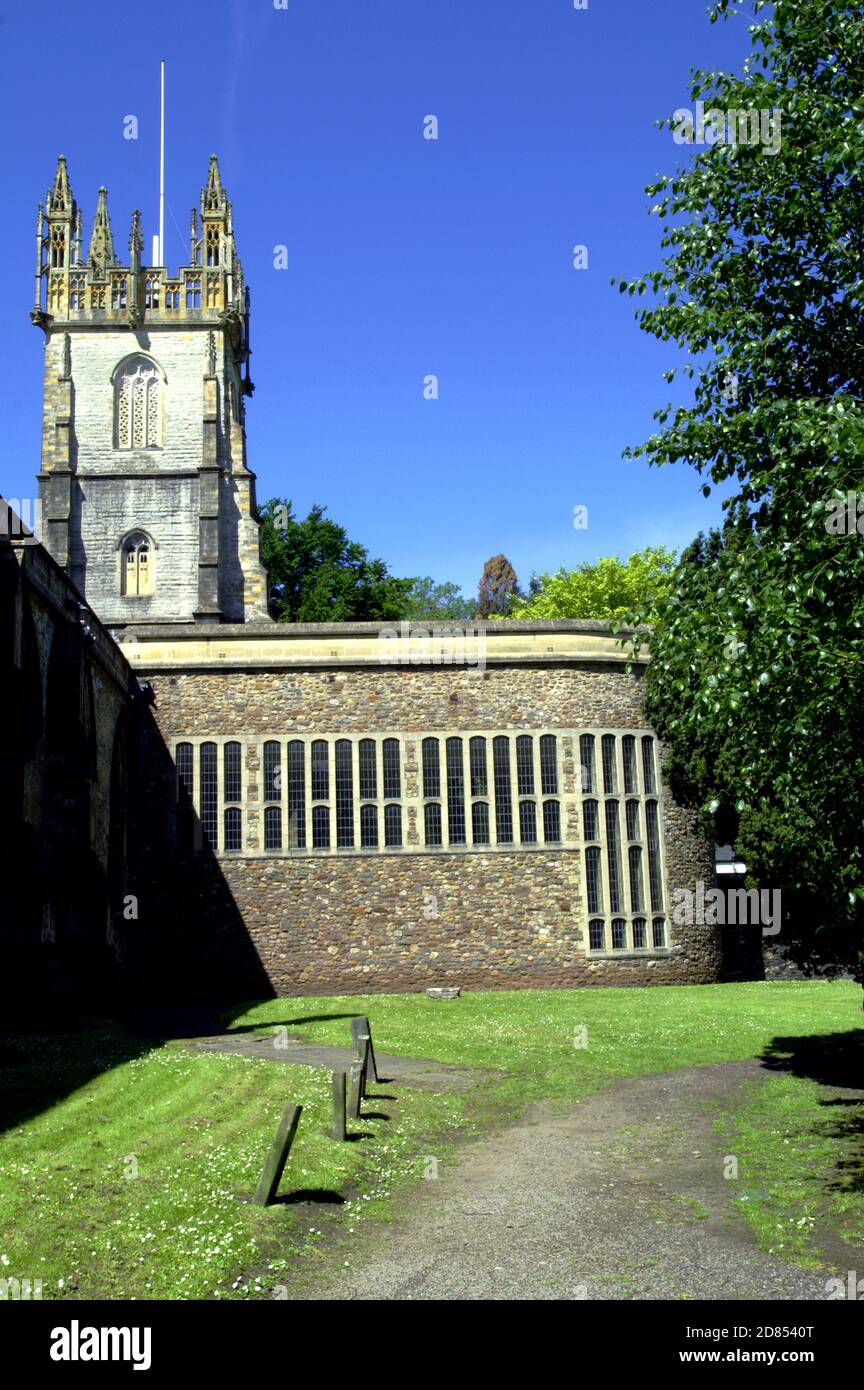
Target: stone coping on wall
467	646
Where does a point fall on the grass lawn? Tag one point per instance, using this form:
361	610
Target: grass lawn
121	1166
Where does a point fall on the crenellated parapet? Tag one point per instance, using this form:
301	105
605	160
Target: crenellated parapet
100	290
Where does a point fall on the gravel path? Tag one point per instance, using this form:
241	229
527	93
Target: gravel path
621	1198
408	1071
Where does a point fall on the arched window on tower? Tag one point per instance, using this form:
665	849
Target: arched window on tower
137	405
137	562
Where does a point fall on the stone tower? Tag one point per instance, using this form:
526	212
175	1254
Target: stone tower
146	499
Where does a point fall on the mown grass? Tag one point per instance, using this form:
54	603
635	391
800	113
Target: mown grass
121	1167
800	1151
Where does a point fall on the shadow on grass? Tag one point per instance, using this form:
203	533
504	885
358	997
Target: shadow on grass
281	1023
835	1060
41	1069
319	1195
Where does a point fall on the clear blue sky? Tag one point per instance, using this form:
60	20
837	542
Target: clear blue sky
406	256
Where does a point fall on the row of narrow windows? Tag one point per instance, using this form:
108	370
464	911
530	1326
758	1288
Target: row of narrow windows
623	851
623	936
347	793
323	794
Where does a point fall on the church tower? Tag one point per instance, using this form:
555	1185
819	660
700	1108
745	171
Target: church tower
146	498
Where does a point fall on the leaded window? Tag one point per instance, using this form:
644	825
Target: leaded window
503	802
549	765
344	780
525	765
209	792
431	768
233	829
527	822
632	865
368	774
455	793
390	766
231	772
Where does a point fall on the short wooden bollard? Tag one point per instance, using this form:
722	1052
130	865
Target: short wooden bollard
338	1130
274	1163
359	1030
355	1090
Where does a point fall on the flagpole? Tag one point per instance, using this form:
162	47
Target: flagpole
162	170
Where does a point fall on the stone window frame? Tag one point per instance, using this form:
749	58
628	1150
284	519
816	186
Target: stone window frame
130	372
571	796
642	920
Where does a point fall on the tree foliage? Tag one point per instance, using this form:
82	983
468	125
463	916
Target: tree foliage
608	588
758	657
317	574
431	602
498	586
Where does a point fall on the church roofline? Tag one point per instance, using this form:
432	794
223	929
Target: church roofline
269	645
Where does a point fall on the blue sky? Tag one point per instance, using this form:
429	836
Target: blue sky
406	257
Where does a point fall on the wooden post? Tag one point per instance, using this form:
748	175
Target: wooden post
355	1089
360	1029
274	1163
338	1129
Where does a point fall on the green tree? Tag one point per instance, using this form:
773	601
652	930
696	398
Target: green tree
498	587
431	602
758	656
318	575
608	588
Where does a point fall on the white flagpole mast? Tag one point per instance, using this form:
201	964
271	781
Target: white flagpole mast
162	172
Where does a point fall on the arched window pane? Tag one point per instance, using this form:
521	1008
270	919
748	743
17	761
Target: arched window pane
503	804
369	827
368	775
431	768
525	766
392	825
296	795
477	760
480	822
185	808
613	856
592	880
597	936
272	771
619	935
232	772
527	822
633	820
659	933
233	835
628	748
137	422
588	769
272	827
320	771
637	903
610	775
639	933
589	820
344	795
655	877
549	765
648	779
432	823
320	827
209	792
455	793
551	822
137	570
390	763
